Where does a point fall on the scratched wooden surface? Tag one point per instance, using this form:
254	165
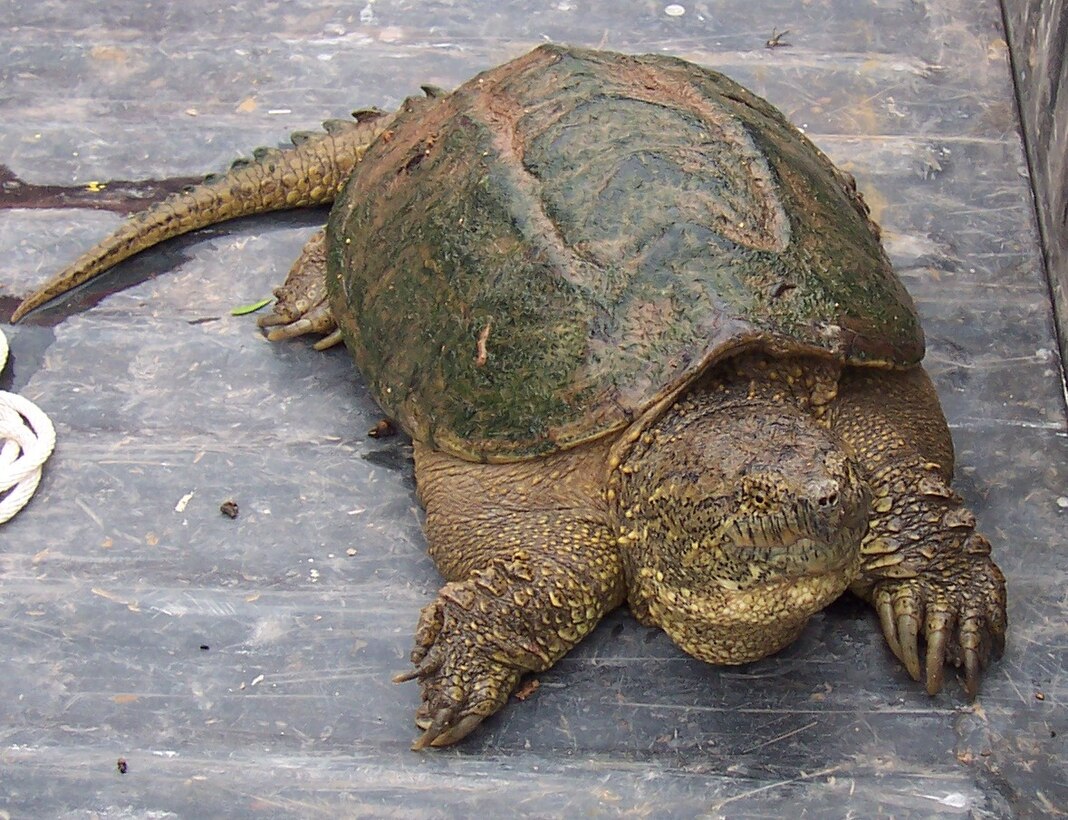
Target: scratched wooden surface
1038	35
242	667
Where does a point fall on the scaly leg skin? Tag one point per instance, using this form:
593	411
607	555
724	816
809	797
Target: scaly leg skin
926	570
302	305
532	569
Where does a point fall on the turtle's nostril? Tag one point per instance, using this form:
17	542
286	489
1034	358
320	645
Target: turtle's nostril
825	494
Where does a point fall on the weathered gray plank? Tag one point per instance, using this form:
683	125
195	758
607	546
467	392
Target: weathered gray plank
1038	30
107	594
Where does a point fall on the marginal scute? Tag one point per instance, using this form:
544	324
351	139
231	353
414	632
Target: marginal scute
620	224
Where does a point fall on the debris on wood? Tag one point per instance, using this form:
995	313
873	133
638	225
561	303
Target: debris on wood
528	688
383	429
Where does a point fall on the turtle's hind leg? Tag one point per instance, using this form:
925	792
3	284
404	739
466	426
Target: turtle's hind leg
302	306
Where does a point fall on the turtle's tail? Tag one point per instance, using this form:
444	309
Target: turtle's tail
310	173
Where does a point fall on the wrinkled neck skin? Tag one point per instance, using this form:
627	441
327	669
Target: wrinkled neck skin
740	513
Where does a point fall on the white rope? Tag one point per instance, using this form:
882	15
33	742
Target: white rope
28	438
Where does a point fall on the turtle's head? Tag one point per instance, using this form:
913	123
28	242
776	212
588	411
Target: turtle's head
740	518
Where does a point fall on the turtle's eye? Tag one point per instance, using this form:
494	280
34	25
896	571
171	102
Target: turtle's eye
756	493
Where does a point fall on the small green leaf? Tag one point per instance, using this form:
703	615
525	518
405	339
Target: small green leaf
246	309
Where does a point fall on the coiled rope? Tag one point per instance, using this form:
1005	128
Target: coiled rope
28	438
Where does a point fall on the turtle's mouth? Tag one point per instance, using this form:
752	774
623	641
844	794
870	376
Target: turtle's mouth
750	588
770	548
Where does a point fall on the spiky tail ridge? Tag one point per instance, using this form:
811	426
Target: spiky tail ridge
310	173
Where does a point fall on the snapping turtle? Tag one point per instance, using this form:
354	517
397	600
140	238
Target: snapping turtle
649	350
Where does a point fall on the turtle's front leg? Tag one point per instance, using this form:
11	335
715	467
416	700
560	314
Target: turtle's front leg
520	614
302	305
532	568
926	570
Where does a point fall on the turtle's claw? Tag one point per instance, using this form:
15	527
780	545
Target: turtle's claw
906	637
316	319
302	306
444	730
329	341
960	611
939	627
462	682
